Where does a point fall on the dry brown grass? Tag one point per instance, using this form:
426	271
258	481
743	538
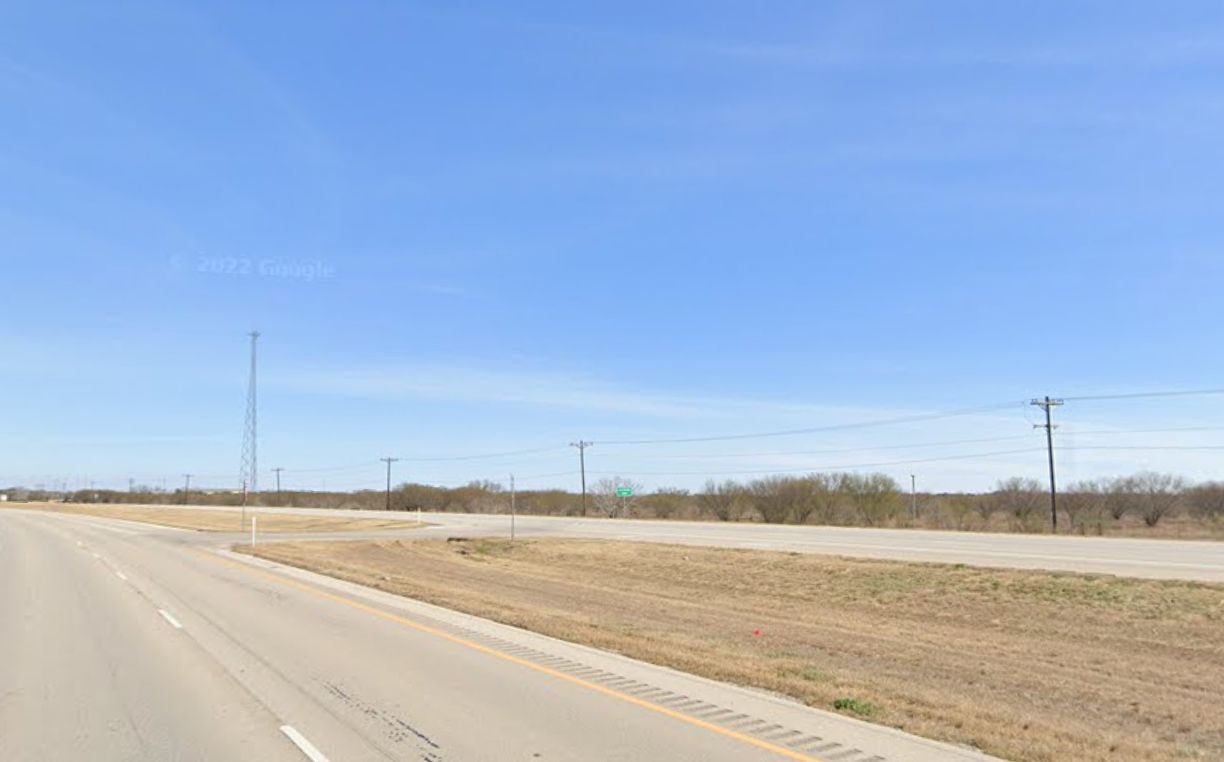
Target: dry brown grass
1028	666
219	521
1179	527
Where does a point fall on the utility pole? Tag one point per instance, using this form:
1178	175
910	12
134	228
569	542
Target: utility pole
1047	404
389	461
277	471
581	445
186	487
914	496
131	485
512	508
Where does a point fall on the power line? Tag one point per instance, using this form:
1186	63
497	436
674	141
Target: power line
1148	447
1110	432
365	464
154	477
816	469
722	456
251	440
919	445
545	476
488	456
818	429
906	419
1139	395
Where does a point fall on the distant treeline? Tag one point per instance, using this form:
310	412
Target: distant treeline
838	499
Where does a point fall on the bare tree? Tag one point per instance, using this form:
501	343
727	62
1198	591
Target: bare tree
553	502
986	505
1207	500
1120	496
874	497
605	493
821	497
959	509
1022	498
794	499
667	501
772	497
413	496
725	500
803	496
1157	494
1083	502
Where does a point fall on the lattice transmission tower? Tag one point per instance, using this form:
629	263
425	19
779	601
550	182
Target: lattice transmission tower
250	429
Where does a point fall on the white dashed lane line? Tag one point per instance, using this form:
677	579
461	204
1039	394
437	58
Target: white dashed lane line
306	746
170	619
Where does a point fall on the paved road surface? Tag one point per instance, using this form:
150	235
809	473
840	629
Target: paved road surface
125	642
1158	559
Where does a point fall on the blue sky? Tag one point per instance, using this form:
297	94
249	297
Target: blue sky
475	228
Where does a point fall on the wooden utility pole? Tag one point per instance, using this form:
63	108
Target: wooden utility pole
582	445
389	461
1047	404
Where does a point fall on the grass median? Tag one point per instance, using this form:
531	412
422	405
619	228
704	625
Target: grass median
205	520
1028	666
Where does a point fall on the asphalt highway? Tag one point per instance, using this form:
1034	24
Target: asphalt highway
1156	559
122	641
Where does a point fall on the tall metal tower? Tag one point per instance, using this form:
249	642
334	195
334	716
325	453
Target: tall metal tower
250	429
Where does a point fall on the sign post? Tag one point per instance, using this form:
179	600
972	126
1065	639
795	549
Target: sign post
624	493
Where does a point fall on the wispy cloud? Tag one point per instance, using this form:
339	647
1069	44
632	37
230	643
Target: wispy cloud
555	390
1171	51
476	385
679	412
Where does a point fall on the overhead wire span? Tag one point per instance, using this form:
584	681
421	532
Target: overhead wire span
1140	395
766	434
544	476
488	456
819	469
946	443
326	469
865	448
818	429
1145	447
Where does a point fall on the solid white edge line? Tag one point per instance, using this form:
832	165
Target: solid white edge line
307	747
170	618
121	576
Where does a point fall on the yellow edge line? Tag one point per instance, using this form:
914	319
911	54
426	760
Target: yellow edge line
749	740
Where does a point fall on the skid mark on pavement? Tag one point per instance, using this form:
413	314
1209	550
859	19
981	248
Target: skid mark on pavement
393	727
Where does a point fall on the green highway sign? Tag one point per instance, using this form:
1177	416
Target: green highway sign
624	492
